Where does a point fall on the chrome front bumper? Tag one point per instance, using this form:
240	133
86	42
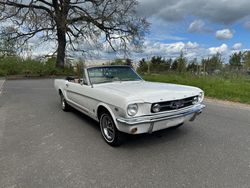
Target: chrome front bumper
168	119
197	109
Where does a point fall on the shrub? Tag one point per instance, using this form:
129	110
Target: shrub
10	65
31	67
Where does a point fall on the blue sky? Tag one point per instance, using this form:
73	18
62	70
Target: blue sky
200	28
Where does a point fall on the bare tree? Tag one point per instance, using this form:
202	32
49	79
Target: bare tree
75	23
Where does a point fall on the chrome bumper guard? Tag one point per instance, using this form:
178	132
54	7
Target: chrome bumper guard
196	110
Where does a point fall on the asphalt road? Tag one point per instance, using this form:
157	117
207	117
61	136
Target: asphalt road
42	146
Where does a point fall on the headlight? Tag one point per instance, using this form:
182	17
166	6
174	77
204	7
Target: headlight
132	109
156	108
200	97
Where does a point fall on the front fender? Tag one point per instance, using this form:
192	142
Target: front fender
109	109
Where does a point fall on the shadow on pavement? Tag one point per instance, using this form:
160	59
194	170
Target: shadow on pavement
159	137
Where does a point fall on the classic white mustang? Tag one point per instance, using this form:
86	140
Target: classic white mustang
122	102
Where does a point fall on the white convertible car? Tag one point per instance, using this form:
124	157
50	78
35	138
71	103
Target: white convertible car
122	102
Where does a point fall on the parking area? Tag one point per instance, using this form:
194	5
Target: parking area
42	146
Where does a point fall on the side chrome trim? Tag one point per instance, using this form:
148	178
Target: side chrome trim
154	118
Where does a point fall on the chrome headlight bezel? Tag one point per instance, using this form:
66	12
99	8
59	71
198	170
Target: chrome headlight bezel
195	100
200	97
156	108
132	109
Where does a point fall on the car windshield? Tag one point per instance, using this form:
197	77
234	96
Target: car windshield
99	75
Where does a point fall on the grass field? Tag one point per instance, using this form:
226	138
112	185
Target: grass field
235	89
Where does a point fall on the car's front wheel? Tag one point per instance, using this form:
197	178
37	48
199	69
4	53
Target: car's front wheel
64	104
109	131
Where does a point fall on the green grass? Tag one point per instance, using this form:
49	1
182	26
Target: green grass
231	88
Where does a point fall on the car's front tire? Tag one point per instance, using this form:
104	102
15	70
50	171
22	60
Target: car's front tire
109	131
64	105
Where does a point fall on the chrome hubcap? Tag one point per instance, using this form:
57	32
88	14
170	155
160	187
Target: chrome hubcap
63	103
107	127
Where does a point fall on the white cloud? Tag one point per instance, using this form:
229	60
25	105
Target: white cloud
172	50
196	26
221	49
192	45
237	46
161	48
224	34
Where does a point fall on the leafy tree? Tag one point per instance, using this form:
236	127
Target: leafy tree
156	60
159	64
143	66
75	24
181	63
168	64
174	65
235	61
193	66
128	62
213	63
246	60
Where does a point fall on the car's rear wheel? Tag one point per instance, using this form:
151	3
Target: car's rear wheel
64	105
109	131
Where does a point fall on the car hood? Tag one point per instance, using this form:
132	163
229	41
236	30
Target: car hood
149	91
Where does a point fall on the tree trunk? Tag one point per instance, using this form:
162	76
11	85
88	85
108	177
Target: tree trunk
61	37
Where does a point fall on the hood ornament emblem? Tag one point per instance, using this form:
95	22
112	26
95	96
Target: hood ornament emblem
177	104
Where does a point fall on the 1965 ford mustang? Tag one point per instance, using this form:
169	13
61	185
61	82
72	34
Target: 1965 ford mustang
122	102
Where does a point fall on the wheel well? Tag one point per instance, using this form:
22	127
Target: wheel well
60	92
100	110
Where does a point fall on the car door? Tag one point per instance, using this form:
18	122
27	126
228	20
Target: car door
79	94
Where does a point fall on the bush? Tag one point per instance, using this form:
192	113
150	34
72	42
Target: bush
3	73
10	65
30	67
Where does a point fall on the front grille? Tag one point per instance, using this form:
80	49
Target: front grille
175	105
